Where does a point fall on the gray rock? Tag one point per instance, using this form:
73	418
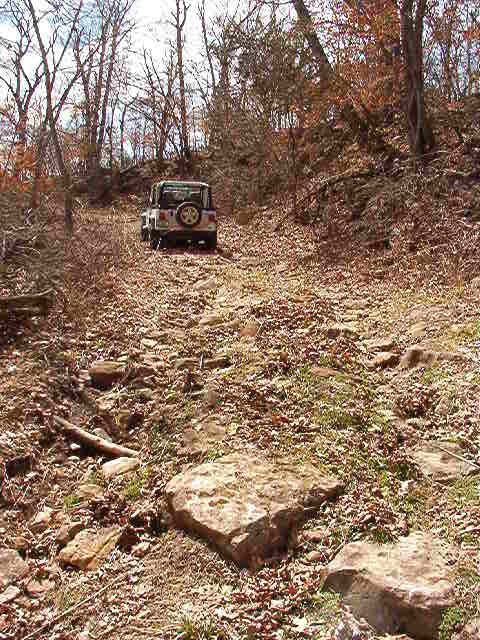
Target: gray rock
187	363
101	433
148	343
441	461
119	466
9	594
42	520
12	567
385	359
106	373
345	330
67	532
396	587
89	548
210	319
380	344
417	355
205	285
89	491
246	506
220	362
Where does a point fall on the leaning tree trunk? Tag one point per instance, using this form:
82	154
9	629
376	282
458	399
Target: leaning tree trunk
359	127
420	135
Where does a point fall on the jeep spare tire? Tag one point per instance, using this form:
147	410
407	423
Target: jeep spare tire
189	214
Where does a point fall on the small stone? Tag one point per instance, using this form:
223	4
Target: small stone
89	548
417	330
315	556
475	283
67	532
20	543
148	343
38	588
141	549
145	394
106	373
119	466
250	329
12	567
380	344
385	359
101	433
324	372
417	355
345	330
205	285
210	319
211	396
42	520
144	371
315	535
9	594
222	362
187	363
89	491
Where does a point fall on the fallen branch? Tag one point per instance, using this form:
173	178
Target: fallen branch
84	437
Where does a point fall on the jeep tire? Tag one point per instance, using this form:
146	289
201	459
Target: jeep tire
188	214
154	239
211	241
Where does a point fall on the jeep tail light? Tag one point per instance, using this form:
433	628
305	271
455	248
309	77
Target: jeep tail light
211	217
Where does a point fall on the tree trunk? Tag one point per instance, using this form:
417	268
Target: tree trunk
420	135
180	19
359	127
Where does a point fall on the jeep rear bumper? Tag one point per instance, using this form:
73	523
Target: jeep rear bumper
178	236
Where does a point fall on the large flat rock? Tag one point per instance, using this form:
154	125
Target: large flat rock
399	587
442	461
246	506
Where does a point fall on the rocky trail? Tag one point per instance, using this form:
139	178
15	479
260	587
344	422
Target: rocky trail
305	433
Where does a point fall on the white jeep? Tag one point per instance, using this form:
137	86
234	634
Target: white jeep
179	210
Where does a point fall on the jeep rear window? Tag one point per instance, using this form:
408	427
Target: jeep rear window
173	196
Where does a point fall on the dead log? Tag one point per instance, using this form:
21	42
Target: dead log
26	305
84	437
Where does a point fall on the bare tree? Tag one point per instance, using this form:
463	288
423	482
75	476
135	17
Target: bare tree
179	19
20	83
96	52
67	18
420	134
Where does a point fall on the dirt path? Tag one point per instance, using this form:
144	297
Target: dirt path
298	379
